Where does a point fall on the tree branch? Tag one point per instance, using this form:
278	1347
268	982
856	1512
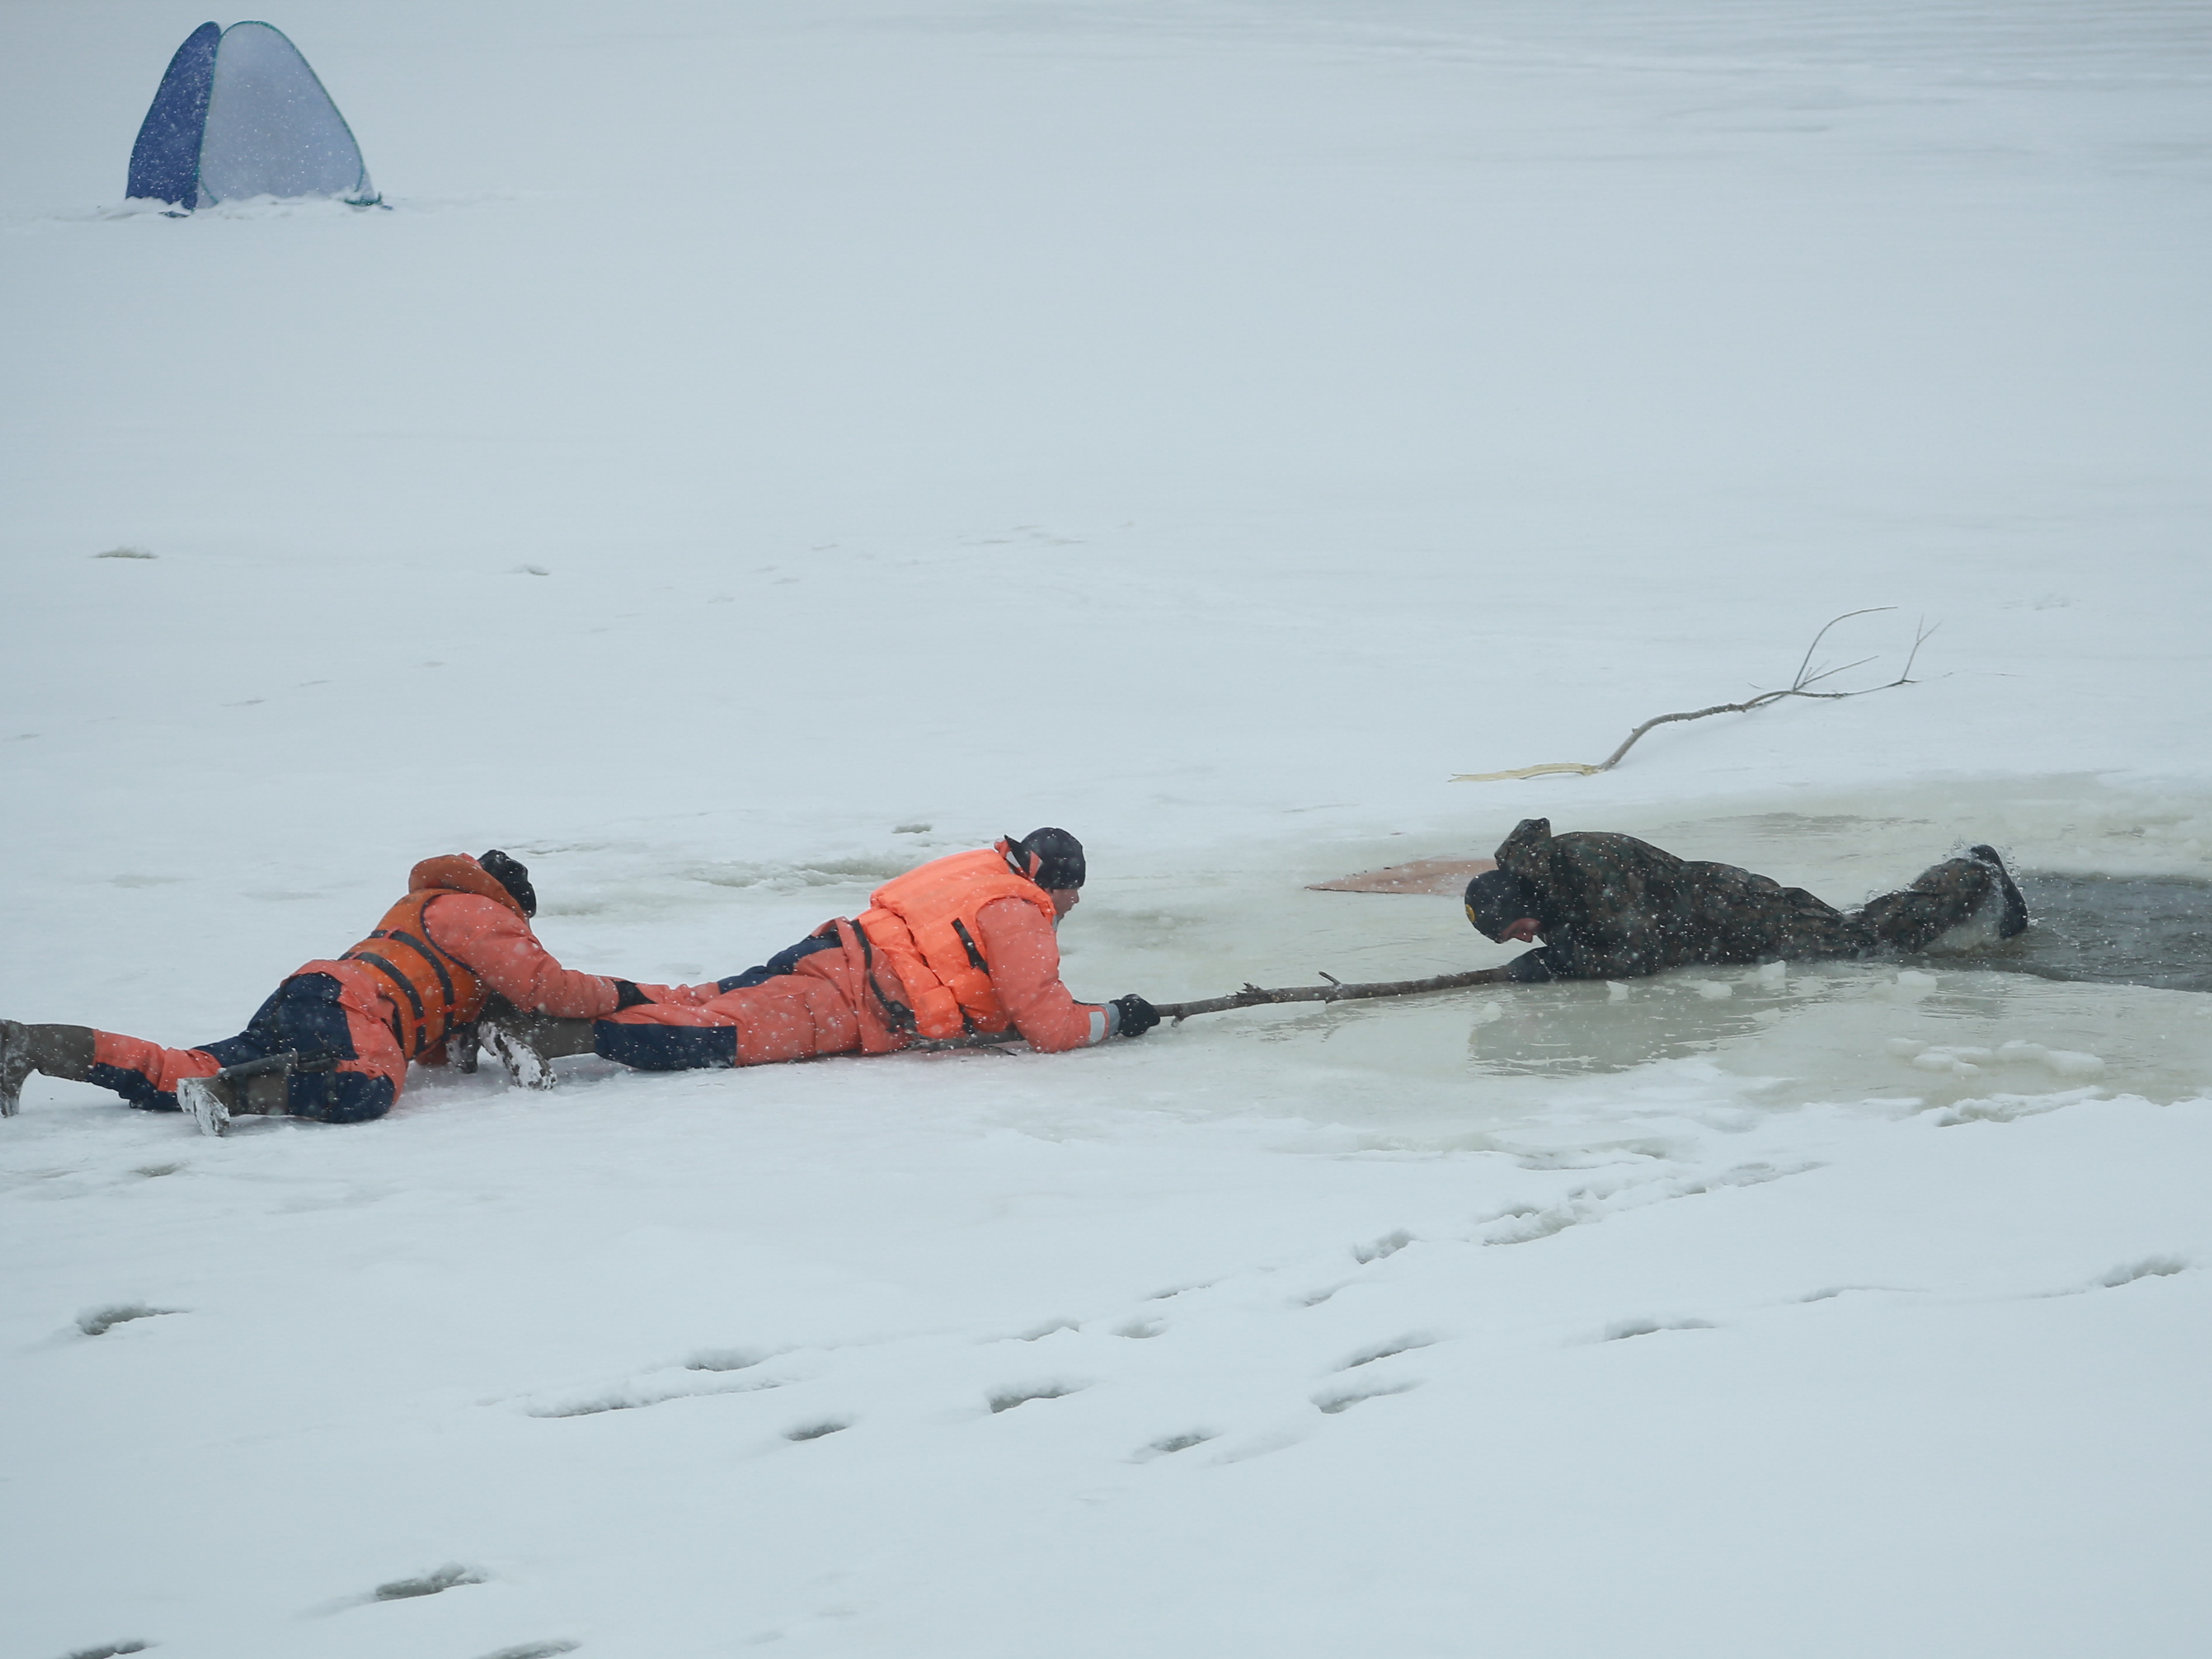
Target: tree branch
1801	686
1254	996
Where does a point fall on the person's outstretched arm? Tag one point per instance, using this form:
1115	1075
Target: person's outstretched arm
498	947
1025	956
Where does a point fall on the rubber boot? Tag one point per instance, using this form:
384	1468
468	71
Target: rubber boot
61	1051
2013	920
527	1044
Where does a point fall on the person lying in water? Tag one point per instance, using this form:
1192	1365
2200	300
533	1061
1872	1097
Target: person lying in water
1609	906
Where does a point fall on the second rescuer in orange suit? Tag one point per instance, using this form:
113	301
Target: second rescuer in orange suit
962	946
421	977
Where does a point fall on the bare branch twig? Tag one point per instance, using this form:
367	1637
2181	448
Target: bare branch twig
1254	996
1800	686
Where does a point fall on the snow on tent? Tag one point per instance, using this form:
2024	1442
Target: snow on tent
240	114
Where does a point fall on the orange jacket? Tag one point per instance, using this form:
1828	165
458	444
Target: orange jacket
1023	952
457	936
965	945
925	927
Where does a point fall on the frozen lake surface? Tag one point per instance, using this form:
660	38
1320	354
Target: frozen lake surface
764	447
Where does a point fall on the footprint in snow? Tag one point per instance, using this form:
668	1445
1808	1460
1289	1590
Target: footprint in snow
631	1400
1829	1293
1179	1290
2151	1266
1343	1400
1389	1245
1385	1350
98	1321
1168	1445
1006	1399
452	1576
1621	1329
727	1359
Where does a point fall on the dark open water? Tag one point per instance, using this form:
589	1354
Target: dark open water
2112	930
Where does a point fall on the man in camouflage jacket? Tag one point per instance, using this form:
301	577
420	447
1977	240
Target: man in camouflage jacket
1609	906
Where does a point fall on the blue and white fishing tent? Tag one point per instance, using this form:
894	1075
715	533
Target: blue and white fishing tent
240	114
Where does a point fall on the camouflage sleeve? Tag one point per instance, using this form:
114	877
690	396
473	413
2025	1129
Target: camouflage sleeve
1616	935
1619	958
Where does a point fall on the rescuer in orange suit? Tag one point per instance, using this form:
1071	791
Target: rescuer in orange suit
332	1042
962	947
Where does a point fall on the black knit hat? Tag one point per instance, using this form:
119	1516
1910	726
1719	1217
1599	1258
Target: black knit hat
1051	858
513	875
1496	899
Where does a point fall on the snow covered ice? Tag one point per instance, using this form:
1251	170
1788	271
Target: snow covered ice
762	448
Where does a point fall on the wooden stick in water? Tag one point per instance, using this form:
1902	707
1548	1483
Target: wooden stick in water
1254	996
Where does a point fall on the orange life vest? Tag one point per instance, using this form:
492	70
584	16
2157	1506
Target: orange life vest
923	927
432	991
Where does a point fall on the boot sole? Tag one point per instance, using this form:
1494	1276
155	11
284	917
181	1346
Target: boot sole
198	1099
15	1066
525	1067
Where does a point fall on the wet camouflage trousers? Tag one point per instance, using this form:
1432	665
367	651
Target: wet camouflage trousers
1612	907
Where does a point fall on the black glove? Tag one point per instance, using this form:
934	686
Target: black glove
627	995
1138	1016
1530	967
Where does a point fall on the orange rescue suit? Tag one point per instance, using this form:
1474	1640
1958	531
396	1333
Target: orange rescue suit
432	991
923	929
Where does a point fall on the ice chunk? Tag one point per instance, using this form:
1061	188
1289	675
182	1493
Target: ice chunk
2069	1062
2066	1063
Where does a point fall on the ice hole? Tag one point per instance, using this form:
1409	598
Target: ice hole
2116	930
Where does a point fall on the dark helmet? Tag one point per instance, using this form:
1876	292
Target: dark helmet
513	875
1496	899
1052	858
